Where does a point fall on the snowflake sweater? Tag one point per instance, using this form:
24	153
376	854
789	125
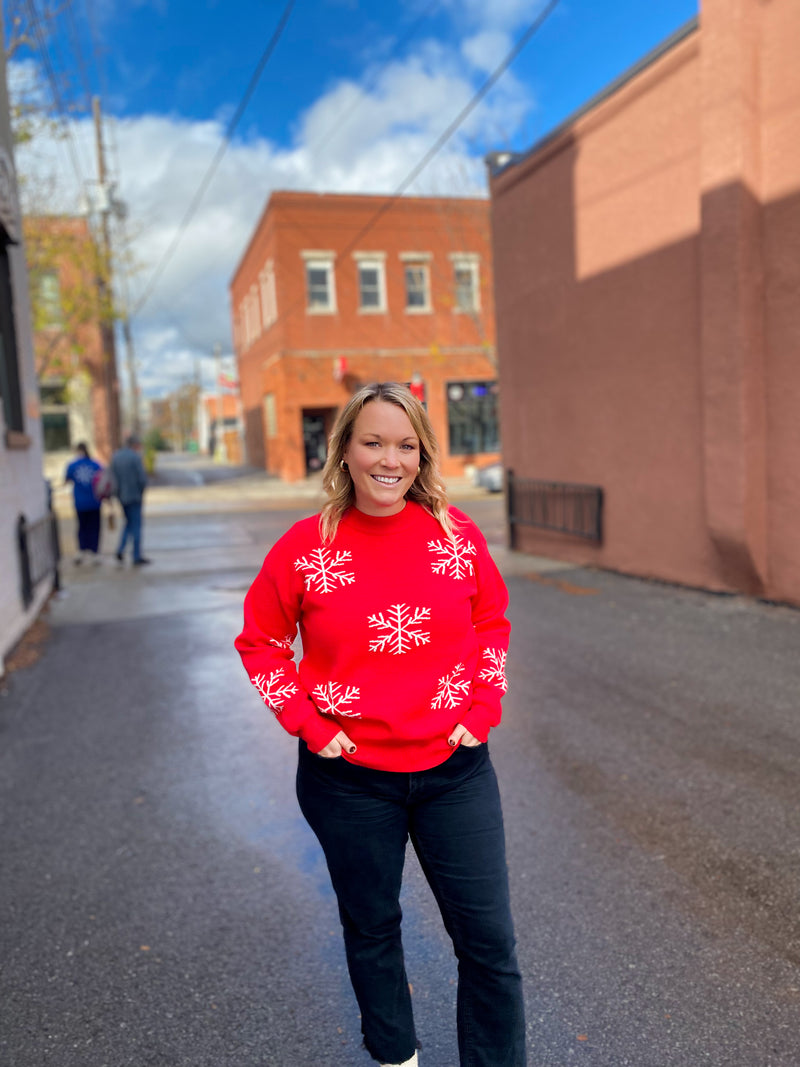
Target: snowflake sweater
404	635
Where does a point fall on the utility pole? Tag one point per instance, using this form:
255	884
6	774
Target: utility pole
104	290
130	359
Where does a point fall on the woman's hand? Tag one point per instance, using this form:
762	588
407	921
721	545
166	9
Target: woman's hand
335	747
461	735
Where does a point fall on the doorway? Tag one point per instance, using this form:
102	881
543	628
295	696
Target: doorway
317	425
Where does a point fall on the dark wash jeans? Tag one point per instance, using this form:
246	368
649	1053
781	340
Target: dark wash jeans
452	815
132	529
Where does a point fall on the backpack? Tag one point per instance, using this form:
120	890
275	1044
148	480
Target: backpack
103	484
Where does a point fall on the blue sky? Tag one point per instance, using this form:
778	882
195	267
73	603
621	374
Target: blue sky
353	96
195	59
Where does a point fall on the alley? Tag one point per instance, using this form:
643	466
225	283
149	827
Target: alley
164	904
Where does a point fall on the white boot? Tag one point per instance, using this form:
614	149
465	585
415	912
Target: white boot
413	1062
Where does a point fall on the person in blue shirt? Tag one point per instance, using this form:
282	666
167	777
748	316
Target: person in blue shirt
82	472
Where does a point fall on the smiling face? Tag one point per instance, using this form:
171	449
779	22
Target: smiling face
383	456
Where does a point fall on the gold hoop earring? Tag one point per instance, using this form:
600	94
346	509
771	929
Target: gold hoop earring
419	469
343	466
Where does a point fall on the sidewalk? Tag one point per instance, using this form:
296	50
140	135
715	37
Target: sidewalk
205	555
244	492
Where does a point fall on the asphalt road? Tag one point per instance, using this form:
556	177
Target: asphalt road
162	902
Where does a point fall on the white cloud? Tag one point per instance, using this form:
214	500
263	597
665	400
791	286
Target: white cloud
487	49
494	14
350	140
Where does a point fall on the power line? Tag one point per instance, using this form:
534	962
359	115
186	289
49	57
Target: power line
57	100
198	196
442	140
371	83
77	48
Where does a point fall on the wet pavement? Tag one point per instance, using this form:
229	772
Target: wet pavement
164	904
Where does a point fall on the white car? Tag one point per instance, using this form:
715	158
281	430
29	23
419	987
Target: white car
490	477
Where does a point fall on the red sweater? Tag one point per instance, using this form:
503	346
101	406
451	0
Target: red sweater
404	636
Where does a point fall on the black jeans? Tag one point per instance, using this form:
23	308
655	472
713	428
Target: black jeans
89	530
452	814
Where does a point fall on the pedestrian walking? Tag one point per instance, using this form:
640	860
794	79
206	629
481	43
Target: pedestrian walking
83	472
401	611
130	480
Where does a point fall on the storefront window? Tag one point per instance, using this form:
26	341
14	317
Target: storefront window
472	417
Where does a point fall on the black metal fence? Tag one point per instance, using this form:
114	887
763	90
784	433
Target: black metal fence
562	506
39	554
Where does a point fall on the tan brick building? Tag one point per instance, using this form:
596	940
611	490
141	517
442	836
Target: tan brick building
335	291
647	261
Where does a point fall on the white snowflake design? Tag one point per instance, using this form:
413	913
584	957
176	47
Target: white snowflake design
451	691
453	557
84	474
323	572
402	629
281	642
496	670
332	697
273	694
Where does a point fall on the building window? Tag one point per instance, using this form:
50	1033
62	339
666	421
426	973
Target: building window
254	312
251	316
269	298
371	282
10	385
50	298
472	417
270	415
320	282
417	281
466	281
54	398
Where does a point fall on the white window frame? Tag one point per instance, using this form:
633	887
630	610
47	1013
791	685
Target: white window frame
317	260
269	297
372	261
250	316
270	416
420	261
471	262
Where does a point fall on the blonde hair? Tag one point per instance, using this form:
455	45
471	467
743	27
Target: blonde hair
427	488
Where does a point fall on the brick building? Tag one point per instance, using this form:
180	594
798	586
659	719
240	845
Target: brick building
335	291
219	427
77	381
647	263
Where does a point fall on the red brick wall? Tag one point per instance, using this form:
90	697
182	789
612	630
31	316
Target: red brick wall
294	359
647	338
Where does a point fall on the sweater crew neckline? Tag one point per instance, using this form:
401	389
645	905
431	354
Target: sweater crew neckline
383	525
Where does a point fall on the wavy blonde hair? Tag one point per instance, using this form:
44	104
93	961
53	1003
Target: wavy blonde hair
427	488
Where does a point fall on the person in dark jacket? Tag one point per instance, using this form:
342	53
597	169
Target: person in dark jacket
130	480
82	472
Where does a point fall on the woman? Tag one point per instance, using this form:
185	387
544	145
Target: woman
82	472
402	617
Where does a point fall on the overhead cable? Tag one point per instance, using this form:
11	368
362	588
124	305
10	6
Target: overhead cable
460	118
198	196
57	100
442	140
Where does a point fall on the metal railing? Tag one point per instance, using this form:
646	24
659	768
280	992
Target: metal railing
39	554
565	507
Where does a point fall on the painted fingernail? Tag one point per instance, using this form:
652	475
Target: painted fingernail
351	749
450	742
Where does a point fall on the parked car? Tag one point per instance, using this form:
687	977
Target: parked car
490	477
